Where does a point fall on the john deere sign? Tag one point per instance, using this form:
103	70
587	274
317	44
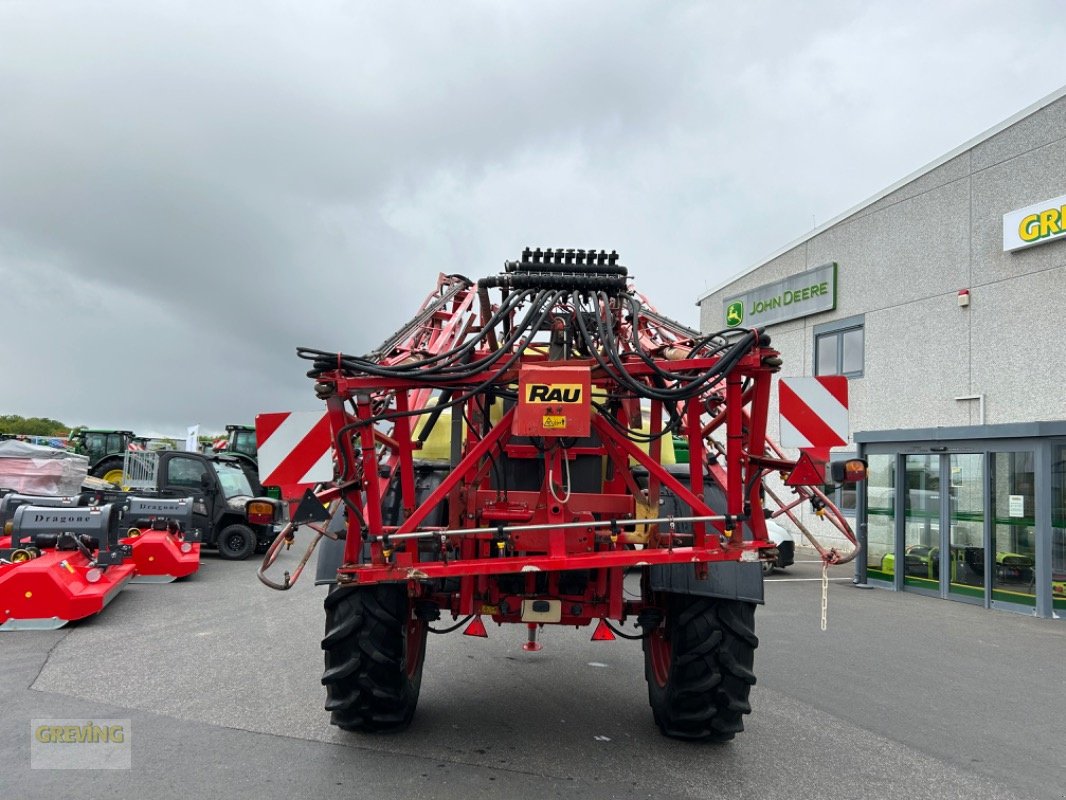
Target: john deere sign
809	292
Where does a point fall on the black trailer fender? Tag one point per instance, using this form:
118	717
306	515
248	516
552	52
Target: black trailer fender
729	580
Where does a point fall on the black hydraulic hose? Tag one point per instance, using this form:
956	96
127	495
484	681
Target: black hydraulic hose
325	361
638	350
476	390
454	627
686	388
618	632
434	415
457	353
328	361
632	434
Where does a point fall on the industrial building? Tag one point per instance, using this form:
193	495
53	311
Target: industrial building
942	299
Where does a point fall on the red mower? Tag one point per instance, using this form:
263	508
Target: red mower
158	532
53	569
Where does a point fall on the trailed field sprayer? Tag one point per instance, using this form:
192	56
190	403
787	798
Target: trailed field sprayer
506	455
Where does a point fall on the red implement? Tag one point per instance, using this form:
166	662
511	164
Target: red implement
53	570
54	588
158	534
508	453
161	556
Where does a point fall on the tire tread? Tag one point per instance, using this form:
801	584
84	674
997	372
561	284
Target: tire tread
712	650
367	685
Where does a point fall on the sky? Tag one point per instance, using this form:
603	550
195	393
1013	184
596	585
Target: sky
191	190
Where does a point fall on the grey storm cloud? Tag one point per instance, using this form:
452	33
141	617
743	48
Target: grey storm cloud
188	191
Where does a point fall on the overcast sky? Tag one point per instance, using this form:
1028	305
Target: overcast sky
189	191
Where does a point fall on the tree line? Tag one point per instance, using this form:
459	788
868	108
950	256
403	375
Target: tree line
32	426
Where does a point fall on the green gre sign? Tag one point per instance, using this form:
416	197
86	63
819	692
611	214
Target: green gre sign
810	292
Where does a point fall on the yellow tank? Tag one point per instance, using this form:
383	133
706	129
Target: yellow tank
438	446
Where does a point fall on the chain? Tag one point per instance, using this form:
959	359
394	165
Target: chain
825	591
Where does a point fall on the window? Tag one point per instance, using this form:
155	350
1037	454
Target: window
839	347
185	472
234	481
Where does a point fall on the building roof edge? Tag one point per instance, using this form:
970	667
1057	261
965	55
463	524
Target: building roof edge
962	148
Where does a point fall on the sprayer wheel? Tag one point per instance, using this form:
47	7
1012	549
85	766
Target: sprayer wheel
375	648
698	665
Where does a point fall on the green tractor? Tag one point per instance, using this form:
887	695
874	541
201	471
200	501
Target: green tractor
105	450
240	442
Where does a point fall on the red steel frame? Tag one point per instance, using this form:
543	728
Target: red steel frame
530	533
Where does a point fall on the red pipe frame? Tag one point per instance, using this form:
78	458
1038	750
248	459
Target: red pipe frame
383	456
377	459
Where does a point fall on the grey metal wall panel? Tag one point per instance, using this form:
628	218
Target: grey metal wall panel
956	169
1018	342
1035	176
1031	133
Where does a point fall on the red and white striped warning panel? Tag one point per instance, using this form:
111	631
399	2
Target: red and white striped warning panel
814	411
294	448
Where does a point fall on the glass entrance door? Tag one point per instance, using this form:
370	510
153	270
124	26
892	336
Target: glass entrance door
921	522
966	525
951	546
978	520
1013	546
944	524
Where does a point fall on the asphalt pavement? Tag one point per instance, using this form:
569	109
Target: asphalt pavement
901	697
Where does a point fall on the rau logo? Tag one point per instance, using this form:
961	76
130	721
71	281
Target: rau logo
553	393
734	315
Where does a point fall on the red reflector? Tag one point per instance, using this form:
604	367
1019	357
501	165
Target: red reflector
806	473
476	628
602	633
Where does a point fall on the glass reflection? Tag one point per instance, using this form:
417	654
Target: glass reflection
967	515
921	522
881	517
1014	528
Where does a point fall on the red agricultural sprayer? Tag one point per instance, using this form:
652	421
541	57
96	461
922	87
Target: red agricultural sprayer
508	454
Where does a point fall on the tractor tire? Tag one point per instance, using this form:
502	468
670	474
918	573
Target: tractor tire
698	664
236	542
109	469
375	647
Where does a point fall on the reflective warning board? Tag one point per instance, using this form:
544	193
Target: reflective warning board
814	411
294	448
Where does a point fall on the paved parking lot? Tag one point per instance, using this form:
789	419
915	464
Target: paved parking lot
902	697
